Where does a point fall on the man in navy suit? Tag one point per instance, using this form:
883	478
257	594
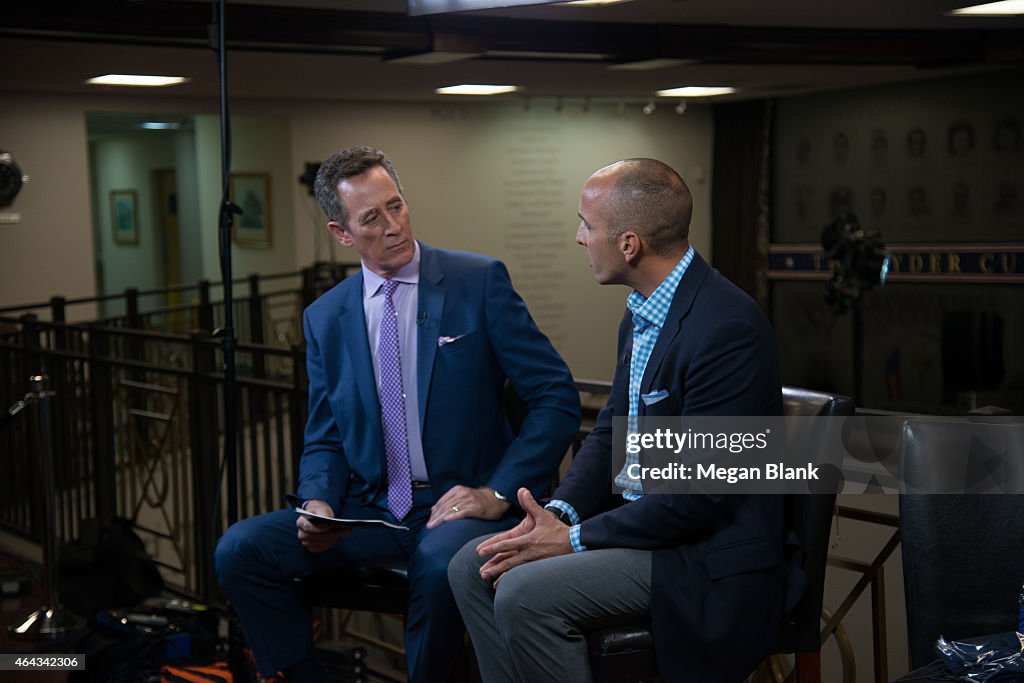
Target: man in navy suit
407	364
709	572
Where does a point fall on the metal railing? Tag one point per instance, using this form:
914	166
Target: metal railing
137	424
137	432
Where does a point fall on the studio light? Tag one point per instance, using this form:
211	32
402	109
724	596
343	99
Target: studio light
862	262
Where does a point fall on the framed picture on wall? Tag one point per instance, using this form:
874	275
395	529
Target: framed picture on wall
251	192
124	216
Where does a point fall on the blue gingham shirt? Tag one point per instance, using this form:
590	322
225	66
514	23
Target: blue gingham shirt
648	319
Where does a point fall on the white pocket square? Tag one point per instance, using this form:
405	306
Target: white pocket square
655	396
442	341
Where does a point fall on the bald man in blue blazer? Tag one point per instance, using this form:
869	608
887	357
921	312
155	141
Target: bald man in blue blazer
460	333
713	574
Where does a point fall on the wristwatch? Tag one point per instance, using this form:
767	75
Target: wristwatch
499	496
562	515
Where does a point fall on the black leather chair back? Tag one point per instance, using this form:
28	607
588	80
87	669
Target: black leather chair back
810	516
625	653
963	554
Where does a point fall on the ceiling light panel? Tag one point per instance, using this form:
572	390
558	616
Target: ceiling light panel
696	91
992	9
476	89
137	80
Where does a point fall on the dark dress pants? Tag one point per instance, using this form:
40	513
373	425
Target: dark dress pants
258	560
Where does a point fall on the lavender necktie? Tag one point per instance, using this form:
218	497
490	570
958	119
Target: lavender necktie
392	408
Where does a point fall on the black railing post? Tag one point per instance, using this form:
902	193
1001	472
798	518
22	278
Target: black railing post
101	396
30	343
58	306
297	406
205	322
59	365
308	285
205	432
131	303
256	324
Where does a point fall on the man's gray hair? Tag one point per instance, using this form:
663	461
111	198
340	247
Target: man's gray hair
343	164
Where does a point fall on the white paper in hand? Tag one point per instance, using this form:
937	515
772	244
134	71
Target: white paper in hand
339	521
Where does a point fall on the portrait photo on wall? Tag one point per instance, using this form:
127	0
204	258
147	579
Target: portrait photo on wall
960	140
879	146
251	192
124	217
916	143
1006	138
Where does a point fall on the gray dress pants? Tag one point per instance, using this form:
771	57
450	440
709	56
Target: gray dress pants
532	628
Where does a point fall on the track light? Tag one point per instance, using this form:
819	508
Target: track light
648	108
681	108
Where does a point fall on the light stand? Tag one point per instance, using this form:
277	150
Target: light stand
860	263
48	622
237	661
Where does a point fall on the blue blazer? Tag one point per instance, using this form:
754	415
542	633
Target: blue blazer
720	567
466	434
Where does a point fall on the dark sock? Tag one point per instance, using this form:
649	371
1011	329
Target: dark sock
308	670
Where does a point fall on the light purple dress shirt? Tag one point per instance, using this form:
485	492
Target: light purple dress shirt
406	298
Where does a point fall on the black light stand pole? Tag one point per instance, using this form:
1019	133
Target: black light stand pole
48	622
858	352
227	218
237	662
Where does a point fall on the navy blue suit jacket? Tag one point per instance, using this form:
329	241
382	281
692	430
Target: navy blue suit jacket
466	434
719	568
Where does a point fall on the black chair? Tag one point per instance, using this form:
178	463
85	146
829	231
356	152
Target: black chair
625	654
962	559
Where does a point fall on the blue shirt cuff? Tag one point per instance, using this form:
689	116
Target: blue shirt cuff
562	506
574	539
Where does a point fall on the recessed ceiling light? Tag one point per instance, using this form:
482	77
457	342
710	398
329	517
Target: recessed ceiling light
476	89
992	9
137	80
695	91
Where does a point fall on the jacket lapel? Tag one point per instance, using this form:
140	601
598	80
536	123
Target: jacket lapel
353	333
428	323
692	280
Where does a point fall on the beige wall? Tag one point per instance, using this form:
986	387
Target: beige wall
503	181
50	250
482	177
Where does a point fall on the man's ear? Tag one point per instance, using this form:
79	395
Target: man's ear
340	233
629	245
